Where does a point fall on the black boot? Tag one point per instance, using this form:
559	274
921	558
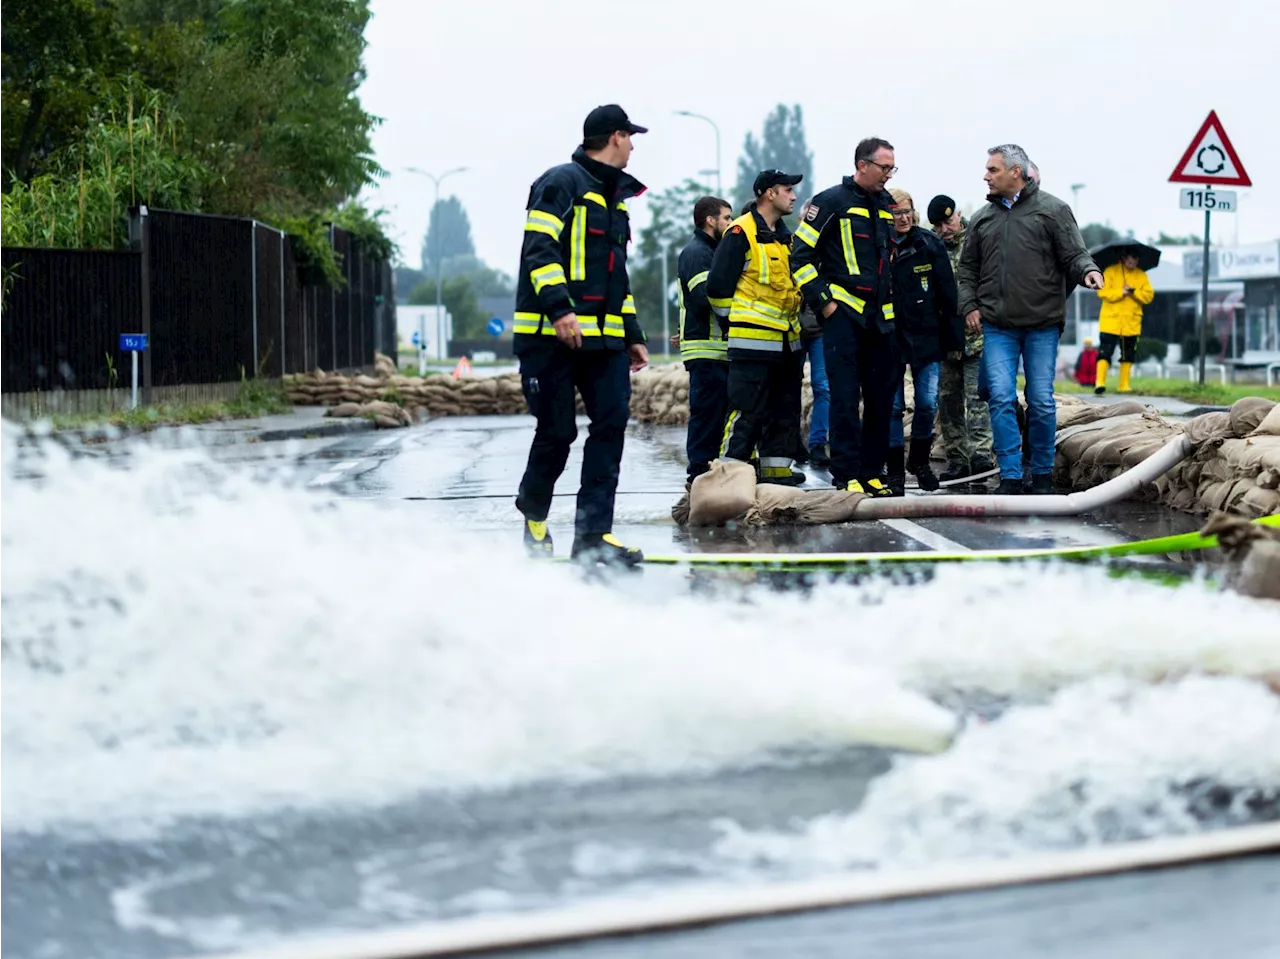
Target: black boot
603	549
1009	487
954	471
537	540
919	464
1041	484
897	480
819	458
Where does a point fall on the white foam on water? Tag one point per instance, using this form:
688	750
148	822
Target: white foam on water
1104	759
228	647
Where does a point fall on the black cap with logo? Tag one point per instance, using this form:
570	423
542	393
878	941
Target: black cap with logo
940	208
768	178
608	119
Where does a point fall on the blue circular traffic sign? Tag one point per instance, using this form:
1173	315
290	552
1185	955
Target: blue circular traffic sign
496	326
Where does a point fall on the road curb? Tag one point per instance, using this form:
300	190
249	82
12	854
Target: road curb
317	430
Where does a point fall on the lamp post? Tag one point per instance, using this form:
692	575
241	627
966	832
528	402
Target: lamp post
422	356
1075	197
699	116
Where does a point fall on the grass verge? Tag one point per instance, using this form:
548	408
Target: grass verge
1211	394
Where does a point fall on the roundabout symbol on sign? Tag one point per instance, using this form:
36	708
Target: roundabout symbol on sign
1222	159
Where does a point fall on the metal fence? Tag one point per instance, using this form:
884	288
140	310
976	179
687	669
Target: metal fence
218	296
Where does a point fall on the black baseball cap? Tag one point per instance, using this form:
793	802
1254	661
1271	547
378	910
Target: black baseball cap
940	208
768	178
608	119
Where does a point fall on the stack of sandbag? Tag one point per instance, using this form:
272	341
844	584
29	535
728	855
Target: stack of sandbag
660	395
1235	466
729	494
391	399
1253	552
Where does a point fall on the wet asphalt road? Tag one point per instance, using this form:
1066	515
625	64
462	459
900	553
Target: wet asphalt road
465	470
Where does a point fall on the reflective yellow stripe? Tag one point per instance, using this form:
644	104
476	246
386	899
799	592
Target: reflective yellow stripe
527	323
622	206
578	245
629	304
595	198
540	221
765	308
544	276
764	266
720	302
697	279
844	296
729	422
922	269
861	211
805	274
888	311
749	333
846	240
808	234
886	215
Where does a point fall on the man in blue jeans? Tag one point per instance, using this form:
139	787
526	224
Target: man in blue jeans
816	454
1022	250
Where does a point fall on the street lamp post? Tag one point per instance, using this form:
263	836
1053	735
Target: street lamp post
666	303
422	356
699	116
1075	197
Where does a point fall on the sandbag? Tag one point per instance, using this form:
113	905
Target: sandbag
1247	413
723	494
1270	425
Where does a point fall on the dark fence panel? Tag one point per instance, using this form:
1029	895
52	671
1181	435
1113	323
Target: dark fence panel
201	297
64	311
225	295
270	317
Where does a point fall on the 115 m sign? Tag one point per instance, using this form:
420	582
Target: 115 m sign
1219	201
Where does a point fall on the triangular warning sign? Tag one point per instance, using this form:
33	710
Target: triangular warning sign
462	369
1211	158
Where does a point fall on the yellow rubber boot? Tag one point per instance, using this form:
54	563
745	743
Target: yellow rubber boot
1100	381
1125	369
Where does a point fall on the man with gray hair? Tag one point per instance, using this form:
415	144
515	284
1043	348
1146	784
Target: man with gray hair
1014	269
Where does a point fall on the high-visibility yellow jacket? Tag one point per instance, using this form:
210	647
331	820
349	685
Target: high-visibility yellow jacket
1121	312
750	281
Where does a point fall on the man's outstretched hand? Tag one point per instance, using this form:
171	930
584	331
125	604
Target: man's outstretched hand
639	354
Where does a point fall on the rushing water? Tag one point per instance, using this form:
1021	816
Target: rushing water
235	710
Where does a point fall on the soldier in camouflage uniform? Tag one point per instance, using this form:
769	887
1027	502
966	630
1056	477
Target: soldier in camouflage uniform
966	424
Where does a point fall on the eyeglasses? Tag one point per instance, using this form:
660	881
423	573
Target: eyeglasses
903	213
890	170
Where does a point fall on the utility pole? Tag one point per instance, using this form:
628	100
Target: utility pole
1075	198
699	116
422	333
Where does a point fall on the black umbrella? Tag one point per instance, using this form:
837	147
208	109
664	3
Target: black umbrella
1106	254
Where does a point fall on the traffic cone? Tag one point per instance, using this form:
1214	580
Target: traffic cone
462	369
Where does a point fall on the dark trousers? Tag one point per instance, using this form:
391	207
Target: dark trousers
764	411
862	363
708	406
1107	343
548	377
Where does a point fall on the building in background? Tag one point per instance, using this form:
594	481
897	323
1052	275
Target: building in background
438	328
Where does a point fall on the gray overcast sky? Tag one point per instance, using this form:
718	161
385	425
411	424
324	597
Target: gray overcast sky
502	88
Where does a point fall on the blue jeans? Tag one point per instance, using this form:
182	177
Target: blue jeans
1038	350
924	379
820	418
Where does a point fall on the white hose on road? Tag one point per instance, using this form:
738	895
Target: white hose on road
1072	504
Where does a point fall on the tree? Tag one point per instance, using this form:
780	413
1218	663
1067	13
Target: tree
670	226
484	279
57	56
782	146
1095	234
1164	239
448	234
459	298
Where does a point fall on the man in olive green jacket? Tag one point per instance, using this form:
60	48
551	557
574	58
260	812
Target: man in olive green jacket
1018	257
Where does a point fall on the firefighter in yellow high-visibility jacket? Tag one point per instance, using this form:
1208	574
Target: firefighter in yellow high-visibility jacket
1125	291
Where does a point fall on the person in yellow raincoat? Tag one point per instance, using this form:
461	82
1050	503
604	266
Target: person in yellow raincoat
1125	291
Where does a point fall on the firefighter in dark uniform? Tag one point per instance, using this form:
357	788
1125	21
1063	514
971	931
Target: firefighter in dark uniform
575	326
703	336
750	283
841	262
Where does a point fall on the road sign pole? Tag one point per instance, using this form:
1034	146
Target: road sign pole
666	305
1204	298
134	354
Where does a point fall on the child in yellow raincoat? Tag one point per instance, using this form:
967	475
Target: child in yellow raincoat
1125	291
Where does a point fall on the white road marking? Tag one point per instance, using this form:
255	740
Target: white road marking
921	535
387	441
335	473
